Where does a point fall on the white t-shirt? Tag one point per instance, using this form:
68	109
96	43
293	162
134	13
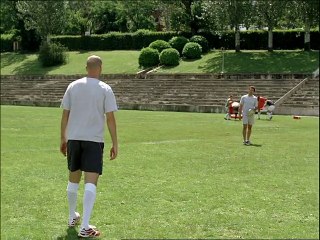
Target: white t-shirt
88	99
248	102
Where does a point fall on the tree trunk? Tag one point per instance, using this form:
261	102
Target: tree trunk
307	46
270	40
237	39
187	4
167	20
82	30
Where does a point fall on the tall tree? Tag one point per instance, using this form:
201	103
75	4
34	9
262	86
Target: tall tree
78	17
305	12
46	17
105	17
8	15
269	13
186	15
138	14
229	14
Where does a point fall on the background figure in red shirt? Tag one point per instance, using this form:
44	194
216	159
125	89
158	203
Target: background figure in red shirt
261	104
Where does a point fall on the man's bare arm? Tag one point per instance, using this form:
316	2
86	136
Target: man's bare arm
112	126
63	137
240	110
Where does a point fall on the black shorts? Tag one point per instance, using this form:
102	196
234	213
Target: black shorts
86	156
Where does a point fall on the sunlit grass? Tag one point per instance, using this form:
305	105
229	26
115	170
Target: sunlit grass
178	176
115	62
250	62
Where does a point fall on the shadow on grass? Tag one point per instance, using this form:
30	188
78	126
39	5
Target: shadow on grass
24	64
212	65
255	145
33	67
168	67
72	234
8	59
190	60
263	61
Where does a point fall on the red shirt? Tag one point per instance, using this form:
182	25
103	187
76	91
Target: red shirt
261	102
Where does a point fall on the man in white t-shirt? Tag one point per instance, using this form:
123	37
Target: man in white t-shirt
88	104
248	106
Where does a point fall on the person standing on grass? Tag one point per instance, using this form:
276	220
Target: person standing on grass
87	104
248	106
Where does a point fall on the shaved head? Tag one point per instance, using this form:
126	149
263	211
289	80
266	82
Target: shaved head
94	62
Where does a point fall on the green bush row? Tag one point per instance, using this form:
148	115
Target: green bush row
251	40
167	54
255	40
113	41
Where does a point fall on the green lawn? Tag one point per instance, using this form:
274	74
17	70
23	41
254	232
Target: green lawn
113	62
127	62
250	62
177	176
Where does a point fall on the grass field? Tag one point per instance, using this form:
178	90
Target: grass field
250	61
113	62
177	176
127	62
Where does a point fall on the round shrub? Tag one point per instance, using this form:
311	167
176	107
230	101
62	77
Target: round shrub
192	50
178	43
52	54
170	57
202	41
160	45
148	57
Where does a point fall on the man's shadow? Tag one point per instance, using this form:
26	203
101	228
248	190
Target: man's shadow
254	145
72	234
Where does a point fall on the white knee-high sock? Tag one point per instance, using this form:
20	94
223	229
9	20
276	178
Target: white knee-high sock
88	202
269	114
72	192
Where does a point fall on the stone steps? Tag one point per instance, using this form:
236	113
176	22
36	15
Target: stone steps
171	92
307	96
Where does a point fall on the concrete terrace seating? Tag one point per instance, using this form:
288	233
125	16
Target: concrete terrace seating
304	101
171	92
307	96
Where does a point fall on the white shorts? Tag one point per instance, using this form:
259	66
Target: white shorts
248	119
271	108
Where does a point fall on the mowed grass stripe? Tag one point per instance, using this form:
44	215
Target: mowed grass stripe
178	175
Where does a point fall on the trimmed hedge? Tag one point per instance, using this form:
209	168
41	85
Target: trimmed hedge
202	41
113	41
160	45
192	50
256	40
251	40
178	42
148	57
170	57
